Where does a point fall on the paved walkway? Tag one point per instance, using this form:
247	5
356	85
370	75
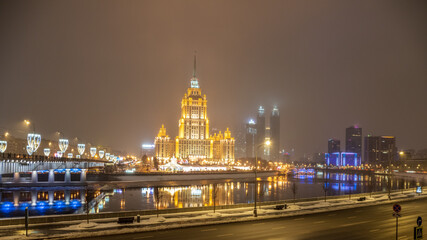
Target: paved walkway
100	227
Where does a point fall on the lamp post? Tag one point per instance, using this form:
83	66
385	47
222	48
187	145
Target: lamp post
33	139
266	143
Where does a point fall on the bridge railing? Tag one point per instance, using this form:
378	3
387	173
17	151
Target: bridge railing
42	158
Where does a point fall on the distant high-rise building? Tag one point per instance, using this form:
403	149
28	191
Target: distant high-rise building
353	140
260	131
275	133
250	138
240	141
380	149
334	145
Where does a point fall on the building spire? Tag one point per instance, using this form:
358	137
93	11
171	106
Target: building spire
194	80
194	69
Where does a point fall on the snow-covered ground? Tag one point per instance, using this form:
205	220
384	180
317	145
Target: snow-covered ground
99	227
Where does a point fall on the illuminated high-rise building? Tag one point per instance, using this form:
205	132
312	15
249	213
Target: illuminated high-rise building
194	142
334	145
275	133
260	132
380	149
163	145
250	138
353	140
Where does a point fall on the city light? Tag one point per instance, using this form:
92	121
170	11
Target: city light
29	150
115	75
3	146
101	154
148	146
33	141
92	151
63	145
81	148
46	152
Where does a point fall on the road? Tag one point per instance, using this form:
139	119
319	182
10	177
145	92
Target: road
374	222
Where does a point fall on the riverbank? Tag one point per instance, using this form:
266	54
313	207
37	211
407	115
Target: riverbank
109	226
163	176
418	176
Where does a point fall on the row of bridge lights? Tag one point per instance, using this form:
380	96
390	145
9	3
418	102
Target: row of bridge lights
34	140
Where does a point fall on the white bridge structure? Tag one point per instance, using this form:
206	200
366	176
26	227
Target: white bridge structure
24	170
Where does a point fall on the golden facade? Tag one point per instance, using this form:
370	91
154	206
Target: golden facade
194	142
164	147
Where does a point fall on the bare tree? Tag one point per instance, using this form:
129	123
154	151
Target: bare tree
350	185
88	198
389	186
326	188
294	190
371	185
215	194
156	163
158	197
144	159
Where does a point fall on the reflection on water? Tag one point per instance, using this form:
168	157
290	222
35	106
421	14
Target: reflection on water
40	201
47	201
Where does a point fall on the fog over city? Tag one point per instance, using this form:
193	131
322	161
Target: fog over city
112	72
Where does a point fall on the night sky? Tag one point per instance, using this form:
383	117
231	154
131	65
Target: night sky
111	72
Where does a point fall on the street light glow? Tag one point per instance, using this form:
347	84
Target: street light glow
3	146
63	145
92	151
46	152
81	148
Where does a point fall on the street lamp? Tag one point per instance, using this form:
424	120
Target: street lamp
266	143
33	139
3	146
63	145
101	154
92	151
46	152
81	148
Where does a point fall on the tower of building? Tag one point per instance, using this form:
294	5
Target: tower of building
163	145
353	140
194	142
334	145
275	133
380	149
260	132
250	138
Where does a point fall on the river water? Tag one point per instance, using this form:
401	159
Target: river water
110	198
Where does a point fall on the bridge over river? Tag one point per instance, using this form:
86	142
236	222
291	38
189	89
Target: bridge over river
24	170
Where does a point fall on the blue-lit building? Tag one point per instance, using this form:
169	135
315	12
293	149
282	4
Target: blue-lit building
340	159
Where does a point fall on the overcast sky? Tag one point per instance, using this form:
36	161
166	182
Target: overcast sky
111	72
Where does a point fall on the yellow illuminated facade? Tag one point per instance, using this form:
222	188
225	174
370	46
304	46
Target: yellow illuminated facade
194	142
164	147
